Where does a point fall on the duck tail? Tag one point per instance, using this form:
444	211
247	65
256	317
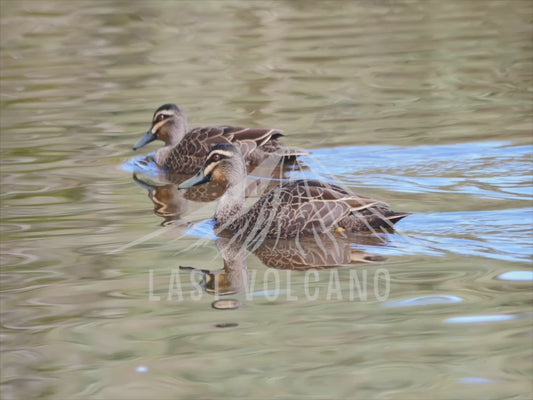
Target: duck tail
394	216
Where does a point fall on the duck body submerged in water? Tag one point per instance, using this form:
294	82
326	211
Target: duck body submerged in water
292	209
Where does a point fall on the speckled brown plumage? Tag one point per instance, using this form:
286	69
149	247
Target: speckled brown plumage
309	207
185	151
256	144
292	209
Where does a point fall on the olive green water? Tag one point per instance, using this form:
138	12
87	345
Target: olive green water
426	105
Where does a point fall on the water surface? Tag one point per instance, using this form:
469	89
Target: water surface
426	105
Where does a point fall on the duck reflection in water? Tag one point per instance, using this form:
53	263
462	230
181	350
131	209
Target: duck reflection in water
320	252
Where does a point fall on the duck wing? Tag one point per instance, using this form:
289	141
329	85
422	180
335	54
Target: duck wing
256	144
319	206
189	154
302	207
363	213
309	207
252	137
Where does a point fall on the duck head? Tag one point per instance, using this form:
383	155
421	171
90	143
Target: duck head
224	164
169	124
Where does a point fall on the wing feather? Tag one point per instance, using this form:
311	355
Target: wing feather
256	144
307	207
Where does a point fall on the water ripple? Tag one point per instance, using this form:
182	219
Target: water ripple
497	170
518	276
425	300
475	319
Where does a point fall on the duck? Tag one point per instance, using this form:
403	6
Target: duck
295	208
185	150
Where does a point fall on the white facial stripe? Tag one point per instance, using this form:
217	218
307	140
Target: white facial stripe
156	127
163	112
221	152
210	168
212	165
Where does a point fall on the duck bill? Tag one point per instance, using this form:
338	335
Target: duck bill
196	180
149	137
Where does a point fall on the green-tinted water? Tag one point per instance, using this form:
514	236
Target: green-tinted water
426	105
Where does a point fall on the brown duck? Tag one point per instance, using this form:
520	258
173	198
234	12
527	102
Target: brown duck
292	209
185	151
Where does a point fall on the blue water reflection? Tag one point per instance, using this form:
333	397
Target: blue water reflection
476	380
485	169
501	234
523	276
474	319
425	300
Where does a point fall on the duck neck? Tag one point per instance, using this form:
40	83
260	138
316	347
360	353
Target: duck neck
177	132
230	203
162	154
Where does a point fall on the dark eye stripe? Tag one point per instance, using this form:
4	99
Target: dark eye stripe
220	154
215	158
161	116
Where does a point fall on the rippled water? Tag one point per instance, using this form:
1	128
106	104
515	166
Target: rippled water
426	105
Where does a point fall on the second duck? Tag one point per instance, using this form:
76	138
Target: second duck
185	151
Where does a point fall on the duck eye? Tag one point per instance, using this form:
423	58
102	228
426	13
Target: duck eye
161	117
216	157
